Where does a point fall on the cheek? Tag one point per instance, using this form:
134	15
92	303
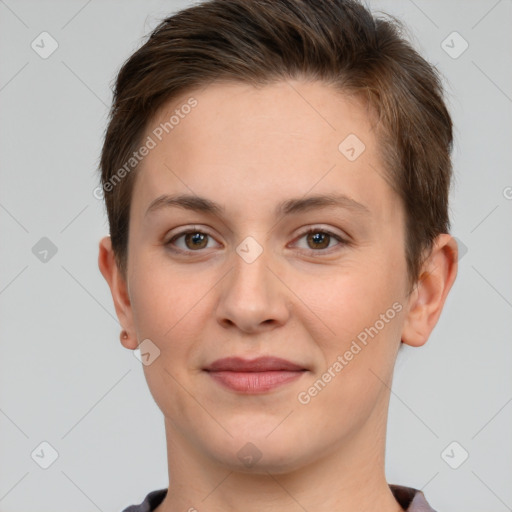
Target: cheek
166	305
358	318
357	357
164	296
347	298
171	306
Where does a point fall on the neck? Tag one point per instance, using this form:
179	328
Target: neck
346	478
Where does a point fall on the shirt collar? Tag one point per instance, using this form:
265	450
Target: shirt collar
410	499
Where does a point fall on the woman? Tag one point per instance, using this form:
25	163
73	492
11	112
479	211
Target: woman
276	176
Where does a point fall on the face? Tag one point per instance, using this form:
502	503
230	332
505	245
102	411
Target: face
267	271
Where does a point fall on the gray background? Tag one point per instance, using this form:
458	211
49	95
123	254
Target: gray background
66	379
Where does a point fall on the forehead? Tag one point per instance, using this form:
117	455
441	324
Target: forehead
278	115
252	147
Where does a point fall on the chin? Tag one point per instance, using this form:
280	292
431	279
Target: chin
256	452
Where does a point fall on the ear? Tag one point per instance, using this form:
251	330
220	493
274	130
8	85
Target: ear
427	299
119	290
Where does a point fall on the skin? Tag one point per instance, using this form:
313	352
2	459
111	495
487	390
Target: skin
302	299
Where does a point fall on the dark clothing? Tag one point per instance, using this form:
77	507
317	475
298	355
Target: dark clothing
411	500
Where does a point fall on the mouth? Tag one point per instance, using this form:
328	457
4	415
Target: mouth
254	376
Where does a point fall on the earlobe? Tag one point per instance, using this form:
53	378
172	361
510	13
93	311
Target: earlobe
428	297
118	289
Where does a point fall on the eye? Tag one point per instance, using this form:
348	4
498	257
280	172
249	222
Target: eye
193	239
320	239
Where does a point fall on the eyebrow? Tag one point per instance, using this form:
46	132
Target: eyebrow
288	207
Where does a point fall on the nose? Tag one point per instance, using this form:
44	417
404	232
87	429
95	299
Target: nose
253	298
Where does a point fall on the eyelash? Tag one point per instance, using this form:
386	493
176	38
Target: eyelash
342	242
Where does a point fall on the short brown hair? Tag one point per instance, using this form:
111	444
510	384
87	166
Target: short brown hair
258	42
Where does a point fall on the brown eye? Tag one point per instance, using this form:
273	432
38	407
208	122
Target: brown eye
189	241
318	240
196	240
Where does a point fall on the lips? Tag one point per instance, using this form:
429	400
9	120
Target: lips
260	364
254	376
